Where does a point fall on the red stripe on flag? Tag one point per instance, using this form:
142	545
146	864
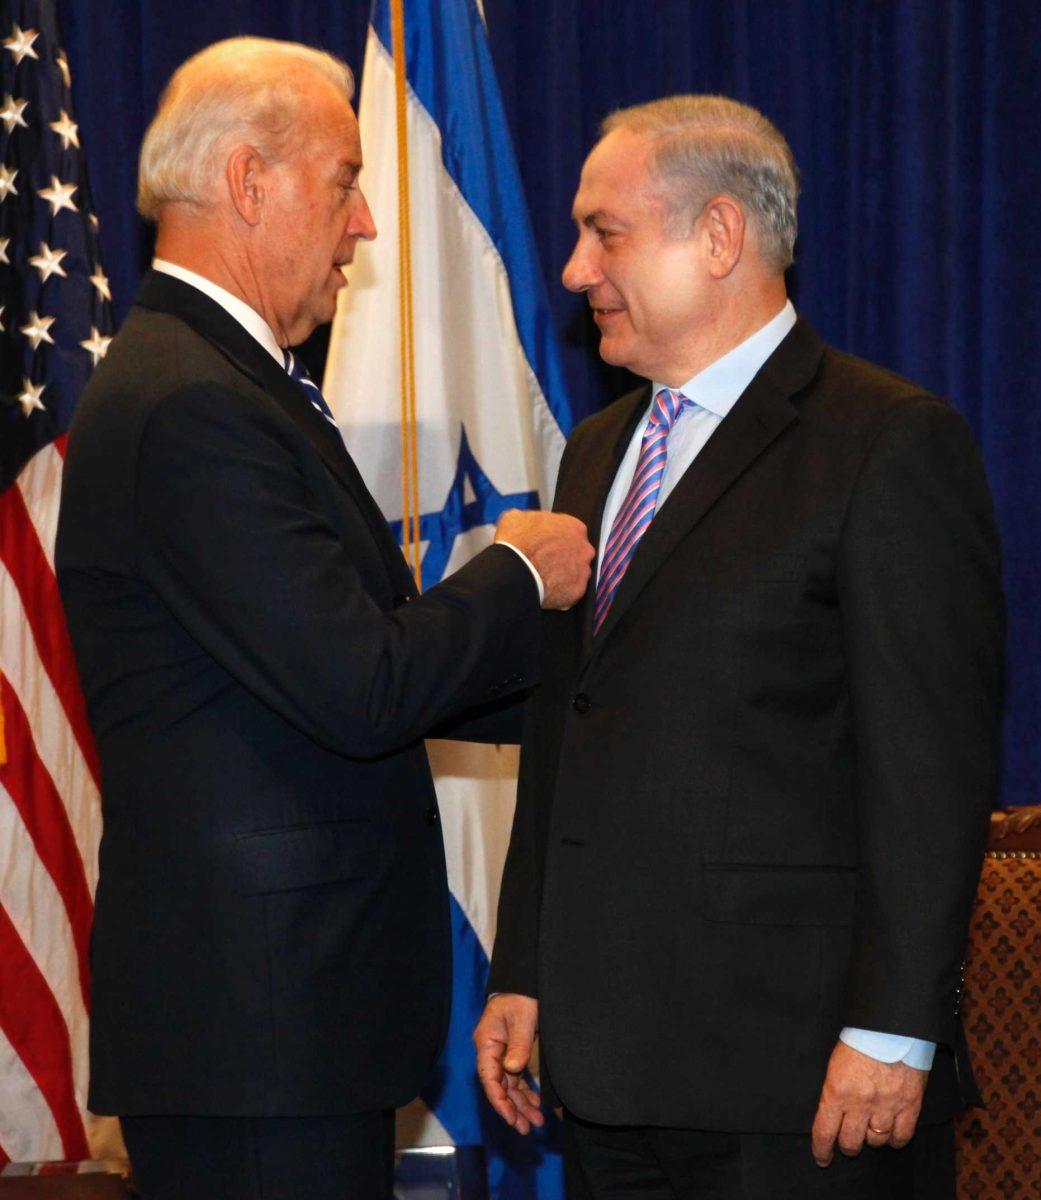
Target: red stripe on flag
33	1024
59	443
4	1158
45	817
22	554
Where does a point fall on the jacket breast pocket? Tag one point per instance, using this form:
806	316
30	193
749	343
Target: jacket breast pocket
780	895
281	860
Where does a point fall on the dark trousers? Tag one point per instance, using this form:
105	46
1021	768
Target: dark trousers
684	1164
262	1158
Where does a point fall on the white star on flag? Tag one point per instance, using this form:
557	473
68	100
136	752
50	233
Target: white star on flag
96	344
67	129
11	113
63	66
20	43
4	243
7	178
48	262
30	396
100	282
59	196
38	329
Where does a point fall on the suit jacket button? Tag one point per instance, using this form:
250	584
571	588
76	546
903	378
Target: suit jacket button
431	815
400	599
581	703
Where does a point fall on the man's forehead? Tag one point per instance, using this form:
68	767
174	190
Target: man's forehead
614	173
334	129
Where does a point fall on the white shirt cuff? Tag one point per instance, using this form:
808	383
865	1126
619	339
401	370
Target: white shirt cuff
531	567
890	1047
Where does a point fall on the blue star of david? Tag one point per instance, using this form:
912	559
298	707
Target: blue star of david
440	529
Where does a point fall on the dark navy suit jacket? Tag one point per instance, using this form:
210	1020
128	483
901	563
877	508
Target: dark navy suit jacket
753	808
272	927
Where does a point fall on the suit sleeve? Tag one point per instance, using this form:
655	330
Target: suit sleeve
922	616
514	958
496	724
236	543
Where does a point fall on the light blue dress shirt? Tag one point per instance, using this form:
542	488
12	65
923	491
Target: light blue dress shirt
714	392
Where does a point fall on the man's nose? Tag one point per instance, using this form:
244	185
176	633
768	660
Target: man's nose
581	271
361	224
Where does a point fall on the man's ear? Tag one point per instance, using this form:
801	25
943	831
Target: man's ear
723	223
244	175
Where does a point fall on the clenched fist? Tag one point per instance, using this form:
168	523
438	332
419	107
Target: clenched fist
557	547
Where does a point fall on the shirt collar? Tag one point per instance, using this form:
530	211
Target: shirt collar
719	385
250	320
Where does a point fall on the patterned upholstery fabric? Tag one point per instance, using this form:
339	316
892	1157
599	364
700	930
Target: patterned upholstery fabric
999	1148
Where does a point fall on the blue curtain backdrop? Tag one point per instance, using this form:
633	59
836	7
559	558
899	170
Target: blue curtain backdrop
916	128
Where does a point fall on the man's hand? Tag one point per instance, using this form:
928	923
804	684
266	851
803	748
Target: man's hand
864	1100
504	1037
556	546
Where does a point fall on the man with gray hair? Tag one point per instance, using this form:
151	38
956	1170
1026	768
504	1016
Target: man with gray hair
271	954
756	777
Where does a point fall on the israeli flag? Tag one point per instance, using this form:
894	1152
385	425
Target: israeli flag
491	416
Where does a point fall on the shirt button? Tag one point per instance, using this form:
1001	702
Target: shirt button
581	703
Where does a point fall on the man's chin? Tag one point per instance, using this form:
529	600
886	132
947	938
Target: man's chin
612	352
324	311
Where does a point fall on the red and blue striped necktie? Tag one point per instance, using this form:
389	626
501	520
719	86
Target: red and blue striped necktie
637	509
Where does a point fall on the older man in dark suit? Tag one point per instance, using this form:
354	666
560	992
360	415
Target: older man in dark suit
271	946
755	780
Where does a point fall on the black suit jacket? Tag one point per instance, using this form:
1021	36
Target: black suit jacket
752	809
272	926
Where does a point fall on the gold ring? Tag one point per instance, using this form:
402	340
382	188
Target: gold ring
880	1132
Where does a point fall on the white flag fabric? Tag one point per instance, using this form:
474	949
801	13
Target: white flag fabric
491	416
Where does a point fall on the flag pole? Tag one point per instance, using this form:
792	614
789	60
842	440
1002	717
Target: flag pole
409	433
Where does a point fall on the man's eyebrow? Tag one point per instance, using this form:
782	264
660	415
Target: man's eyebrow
599	216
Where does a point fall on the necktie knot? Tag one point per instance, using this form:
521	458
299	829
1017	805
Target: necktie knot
295	369
667	406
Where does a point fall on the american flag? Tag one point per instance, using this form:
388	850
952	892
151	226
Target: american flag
55	324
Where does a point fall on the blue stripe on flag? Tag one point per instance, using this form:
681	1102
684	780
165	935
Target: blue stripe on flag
451	72
519	1168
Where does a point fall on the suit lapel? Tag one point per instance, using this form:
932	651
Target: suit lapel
166	294
762	412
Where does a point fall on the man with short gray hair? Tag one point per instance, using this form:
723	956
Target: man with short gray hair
271	953
756	777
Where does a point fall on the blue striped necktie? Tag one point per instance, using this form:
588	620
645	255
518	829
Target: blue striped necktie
296	370
640	501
